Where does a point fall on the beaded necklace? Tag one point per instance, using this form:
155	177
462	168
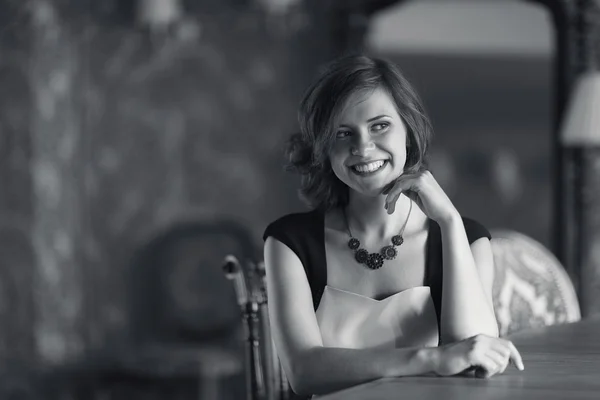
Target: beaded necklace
375	260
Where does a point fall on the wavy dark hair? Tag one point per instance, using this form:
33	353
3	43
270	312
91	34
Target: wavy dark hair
308	151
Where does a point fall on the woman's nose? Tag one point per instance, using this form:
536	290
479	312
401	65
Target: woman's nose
361	146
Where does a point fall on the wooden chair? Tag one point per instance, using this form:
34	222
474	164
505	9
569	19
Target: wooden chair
185	320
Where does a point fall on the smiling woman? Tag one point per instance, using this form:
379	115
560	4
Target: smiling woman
367	146
331	110
343	312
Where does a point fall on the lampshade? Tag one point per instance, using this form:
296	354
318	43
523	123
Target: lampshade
277	7
581	123
159	13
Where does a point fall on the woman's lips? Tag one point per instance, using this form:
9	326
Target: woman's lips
368	172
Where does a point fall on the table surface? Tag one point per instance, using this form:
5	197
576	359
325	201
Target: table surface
561	362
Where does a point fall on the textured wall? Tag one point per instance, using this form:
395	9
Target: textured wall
57	167
111	134
17	258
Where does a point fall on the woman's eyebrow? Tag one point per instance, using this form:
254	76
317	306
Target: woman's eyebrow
369	120
377	117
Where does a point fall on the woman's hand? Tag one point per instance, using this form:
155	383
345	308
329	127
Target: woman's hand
487	355
423	189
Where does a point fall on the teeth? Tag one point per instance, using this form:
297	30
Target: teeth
370	167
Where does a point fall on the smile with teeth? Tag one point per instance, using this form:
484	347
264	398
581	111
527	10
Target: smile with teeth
369	167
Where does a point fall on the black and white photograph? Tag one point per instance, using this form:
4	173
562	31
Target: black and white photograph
299	199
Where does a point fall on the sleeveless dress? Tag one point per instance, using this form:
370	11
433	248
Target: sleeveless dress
349	320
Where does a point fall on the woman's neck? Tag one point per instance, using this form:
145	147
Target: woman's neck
367	216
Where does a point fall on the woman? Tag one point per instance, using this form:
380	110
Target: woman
343	311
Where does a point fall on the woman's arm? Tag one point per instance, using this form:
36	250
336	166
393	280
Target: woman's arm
310	367
467	307
468	270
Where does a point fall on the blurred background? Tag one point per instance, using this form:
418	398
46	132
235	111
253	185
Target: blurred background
142	140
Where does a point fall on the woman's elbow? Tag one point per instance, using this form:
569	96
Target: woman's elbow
300	377
486	326
295	378
456	335
300	388
493	330
301	383
491	327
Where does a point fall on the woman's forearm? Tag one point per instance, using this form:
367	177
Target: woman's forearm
326	369
466	310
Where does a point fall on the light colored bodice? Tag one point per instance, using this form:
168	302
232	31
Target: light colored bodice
404	319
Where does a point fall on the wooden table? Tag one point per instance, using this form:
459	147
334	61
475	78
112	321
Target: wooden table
561	362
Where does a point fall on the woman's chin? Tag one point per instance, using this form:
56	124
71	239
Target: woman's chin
371	187
371	191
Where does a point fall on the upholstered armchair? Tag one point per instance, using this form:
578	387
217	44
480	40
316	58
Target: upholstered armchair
531	287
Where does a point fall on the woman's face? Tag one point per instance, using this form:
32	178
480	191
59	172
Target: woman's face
370	145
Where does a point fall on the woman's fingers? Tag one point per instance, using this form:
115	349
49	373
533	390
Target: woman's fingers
508	349
388	187
501	359
489	356
486	367
390	203
404	183
396	185
515	356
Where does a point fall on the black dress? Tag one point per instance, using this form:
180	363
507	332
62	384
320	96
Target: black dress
304	233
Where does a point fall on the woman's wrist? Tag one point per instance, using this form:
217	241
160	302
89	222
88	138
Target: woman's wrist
452	217
429	358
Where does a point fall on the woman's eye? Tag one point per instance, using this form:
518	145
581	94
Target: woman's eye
381	126
342	134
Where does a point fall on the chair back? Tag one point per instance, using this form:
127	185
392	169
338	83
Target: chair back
531	287
177	292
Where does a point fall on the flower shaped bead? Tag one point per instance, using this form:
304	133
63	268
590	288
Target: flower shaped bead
375	261
361	256
389	252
